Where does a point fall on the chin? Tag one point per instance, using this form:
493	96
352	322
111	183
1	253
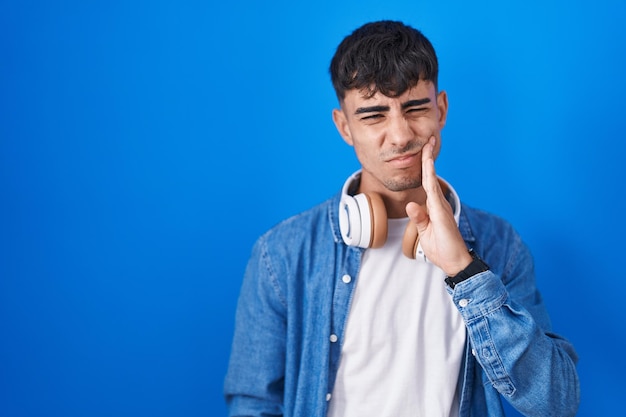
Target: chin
403	184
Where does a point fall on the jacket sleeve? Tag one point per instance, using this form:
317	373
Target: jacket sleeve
254	383
511	339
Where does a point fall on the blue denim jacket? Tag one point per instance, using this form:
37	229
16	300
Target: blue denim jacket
297	291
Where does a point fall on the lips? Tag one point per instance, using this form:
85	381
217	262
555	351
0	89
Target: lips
404	160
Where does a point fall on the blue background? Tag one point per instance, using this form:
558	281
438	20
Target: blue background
145	145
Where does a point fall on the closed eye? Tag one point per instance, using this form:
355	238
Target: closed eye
372	117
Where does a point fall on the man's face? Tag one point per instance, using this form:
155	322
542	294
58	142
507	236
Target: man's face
388	134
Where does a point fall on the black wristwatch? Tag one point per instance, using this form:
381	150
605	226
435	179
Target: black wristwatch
475	267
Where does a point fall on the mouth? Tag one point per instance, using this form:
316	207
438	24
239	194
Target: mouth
404	160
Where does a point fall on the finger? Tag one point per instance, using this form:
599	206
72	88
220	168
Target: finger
428	166
434	195
418	215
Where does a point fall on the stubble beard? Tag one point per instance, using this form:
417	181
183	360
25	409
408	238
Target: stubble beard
407	182
403	184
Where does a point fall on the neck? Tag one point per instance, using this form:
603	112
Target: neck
396	201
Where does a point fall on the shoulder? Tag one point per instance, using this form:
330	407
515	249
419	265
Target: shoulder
480	224
294	250
312	224
494	238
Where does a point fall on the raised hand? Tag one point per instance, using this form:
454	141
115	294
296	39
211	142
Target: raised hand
439	235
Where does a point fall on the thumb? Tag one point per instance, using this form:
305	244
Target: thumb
418	215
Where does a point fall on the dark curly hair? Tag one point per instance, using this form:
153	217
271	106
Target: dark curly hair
385	56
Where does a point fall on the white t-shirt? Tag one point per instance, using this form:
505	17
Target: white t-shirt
404	339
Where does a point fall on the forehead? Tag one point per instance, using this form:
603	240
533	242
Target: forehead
356	98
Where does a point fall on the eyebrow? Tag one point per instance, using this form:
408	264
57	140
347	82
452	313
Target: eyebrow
410	103
371	109
415	103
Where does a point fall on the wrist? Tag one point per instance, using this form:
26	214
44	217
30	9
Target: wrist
463	262
475	267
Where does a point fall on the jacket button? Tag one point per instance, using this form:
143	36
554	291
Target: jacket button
464	302
346	278
328	396
333	338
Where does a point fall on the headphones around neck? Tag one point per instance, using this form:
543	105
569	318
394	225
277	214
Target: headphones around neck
363	218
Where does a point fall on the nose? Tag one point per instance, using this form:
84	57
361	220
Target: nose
400	132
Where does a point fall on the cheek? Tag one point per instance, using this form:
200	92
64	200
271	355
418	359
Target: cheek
367	142
362	151
437	148
425	128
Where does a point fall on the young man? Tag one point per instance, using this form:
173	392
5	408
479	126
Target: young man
392	298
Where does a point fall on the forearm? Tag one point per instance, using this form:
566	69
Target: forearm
533	369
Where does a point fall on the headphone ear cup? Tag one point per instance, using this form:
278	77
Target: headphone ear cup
410	240
350	221
378	214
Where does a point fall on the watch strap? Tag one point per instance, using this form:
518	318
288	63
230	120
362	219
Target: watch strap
475	267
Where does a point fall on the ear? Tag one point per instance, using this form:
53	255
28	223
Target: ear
341	123
442	105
